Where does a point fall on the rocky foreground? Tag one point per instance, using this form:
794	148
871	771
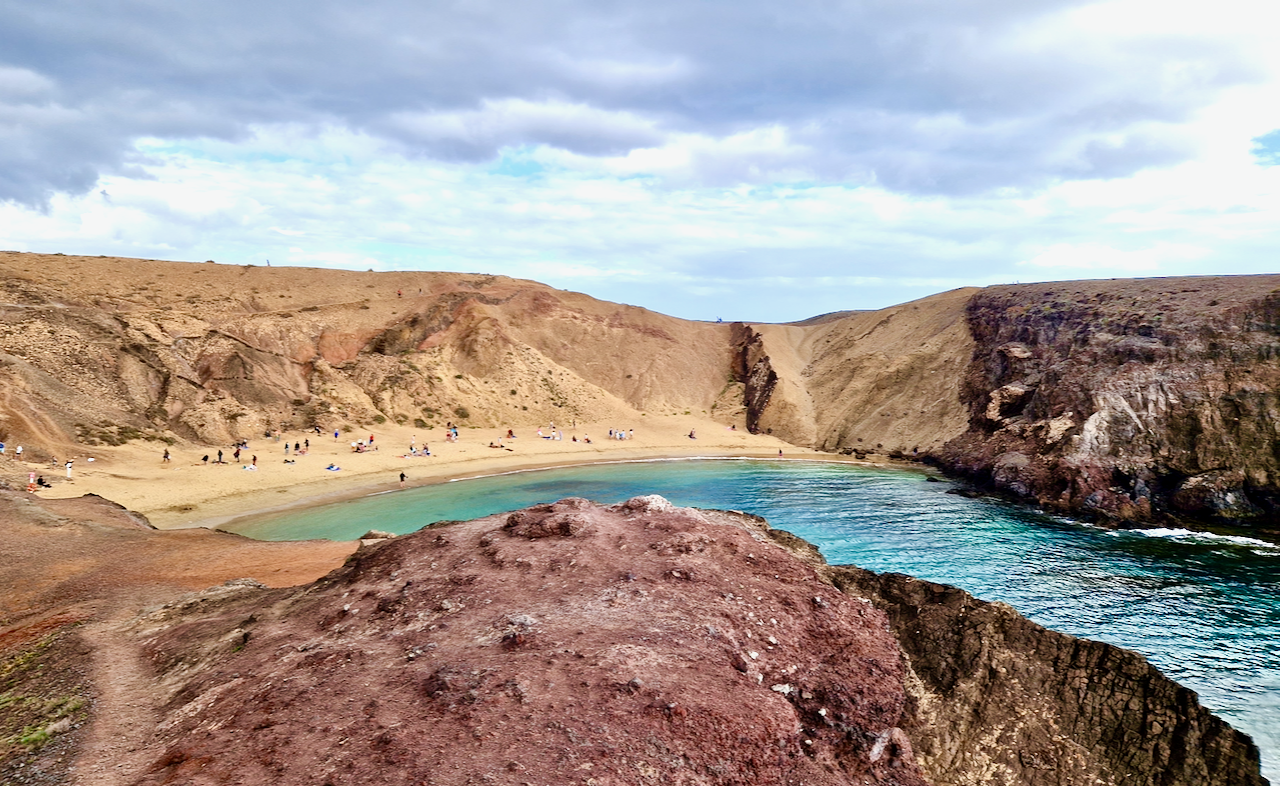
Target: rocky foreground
636	643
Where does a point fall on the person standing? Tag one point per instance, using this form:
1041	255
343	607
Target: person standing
219	456
165	459
18	453
255	461
69	463
402	477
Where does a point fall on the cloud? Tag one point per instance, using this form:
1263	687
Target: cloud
927	96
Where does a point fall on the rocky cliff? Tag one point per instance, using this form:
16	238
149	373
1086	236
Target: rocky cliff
996	698
1128	399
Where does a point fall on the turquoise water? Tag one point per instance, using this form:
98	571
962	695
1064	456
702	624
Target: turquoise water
1203	608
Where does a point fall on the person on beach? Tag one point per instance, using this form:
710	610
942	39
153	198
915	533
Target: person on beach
1	448
18	453
205	459
255	461
69	463
219	456
236	456
306	444
335	433
165	459
402	477
693	433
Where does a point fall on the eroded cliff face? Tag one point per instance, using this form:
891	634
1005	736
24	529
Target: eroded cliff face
1131	400
999	699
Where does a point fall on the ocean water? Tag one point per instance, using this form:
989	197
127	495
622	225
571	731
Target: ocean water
1204	608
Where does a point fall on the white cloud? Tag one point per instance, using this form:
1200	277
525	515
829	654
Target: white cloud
845	156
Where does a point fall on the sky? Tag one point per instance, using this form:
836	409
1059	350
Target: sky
740	160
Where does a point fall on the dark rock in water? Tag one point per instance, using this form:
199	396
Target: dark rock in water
995	693
645	643
966	493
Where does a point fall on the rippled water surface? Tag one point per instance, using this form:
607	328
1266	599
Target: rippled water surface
1203	608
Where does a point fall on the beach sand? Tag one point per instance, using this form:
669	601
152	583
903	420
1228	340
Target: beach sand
185	492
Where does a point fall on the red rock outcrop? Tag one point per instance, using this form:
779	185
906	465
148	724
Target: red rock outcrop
566	643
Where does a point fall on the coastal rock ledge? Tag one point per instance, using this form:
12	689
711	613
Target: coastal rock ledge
645	643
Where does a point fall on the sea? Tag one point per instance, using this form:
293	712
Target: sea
1203	607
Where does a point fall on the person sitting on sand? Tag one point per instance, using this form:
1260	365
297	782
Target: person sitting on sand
511	434
693	433
333	468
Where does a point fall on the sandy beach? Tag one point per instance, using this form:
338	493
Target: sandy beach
187	492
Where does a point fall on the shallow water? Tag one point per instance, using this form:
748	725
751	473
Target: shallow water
1203	608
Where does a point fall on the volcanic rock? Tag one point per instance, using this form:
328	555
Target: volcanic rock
645	643
567	643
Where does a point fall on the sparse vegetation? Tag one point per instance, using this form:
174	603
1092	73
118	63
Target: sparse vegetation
379	419
419	423
462	412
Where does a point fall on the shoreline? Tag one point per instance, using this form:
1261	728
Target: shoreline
186	492
221	523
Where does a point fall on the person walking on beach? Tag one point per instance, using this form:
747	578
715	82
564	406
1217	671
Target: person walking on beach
236	456
165	459
255	461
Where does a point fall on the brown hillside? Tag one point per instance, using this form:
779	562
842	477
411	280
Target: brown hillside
100	349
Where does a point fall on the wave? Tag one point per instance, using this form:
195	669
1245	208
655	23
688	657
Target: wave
1192	536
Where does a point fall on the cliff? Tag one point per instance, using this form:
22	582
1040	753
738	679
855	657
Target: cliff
1131	400
996	698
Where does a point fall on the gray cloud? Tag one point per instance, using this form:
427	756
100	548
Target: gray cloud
930	96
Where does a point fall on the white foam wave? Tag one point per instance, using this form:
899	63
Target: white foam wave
1192	536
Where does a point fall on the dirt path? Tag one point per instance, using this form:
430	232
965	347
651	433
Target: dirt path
124	715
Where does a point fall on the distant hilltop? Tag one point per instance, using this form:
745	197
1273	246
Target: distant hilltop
1126	400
